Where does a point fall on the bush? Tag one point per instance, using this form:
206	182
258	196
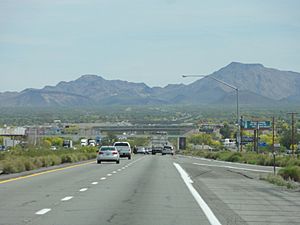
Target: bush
247	157
290	172
293	162
38	162
278	180
235	157
29	164
66	158
15	166
24	160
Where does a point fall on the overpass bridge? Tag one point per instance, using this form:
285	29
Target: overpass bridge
144	129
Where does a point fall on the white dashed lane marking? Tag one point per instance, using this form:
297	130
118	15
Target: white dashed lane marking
83	189
66	198
42	211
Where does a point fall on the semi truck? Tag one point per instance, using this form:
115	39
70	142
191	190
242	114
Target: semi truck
158	141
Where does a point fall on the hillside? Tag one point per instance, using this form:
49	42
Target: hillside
257	85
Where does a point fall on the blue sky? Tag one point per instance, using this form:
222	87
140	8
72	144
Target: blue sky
44	42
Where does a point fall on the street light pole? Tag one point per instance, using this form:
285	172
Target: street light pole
237	103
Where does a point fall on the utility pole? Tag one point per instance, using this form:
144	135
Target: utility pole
273	143
293	131
241	134
257	137
254	139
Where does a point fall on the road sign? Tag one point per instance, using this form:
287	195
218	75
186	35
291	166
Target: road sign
262	144
247	139
182	143
254	125
277	145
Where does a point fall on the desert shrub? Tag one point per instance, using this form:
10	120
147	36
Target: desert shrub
293	162
13	166
290	172
25	160
234	157
29	164
278	180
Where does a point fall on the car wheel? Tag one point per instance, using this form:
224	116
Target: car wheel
98	161
129	157
118	161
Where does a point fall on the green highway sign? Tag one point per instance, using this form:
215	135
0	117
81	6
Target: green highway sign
255	125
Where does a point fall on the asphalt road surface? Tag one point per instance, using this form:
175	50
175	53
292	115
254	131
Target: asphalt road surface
156	190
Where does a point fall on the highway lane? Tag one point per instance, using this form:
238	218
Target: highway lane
148	190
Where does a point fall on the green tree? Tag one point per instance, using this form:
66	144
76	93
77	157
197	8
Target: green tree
286	138
198	139
138	141
57	141
226	131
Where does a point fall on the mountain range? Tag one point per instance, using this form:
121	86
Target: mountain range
257	85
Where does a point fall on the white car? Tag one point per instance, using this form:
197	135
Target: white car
124	149
167	150
108	154
141	150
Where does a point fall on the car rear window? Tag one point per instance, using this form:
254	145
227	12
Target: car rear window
122	144
107	149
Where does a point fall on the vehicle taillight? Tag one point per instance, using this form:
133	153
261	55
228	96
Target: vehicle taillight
100	153
115	153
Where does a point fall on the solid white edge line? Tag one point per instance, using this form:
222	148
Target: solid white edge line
66	198
83	189
42	211
225	162
232	167
205	208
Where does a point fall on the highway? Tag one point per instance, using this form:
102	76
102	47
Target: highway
156	190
